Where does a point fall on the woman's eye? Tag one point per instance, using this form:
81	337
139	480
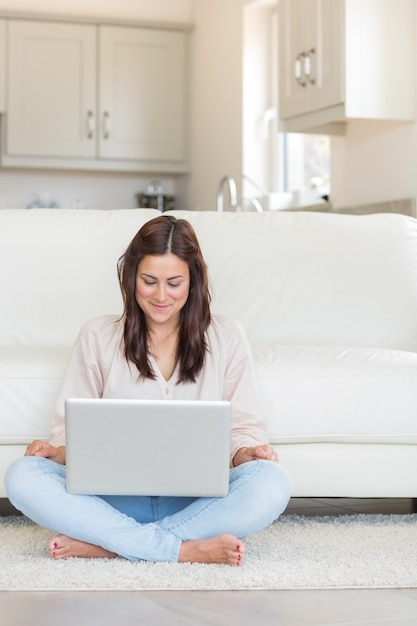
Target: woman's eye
173	284
149	282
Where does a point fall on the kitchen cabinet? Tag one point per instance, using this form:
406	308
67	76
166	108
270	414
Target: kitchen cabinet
142	94
95	97
308	86
345	59
51	89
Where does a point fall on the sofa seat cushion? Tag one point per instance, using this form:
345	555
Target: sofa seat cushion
345	394
30	377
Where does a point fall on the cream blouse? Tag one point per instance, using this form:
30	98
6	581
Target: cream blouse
98	369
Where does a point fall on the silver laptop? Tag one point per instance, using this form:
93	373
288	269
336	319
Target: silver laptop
147	447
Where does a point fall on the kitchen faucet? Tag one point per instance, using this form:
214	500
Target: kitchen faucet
156	188
232	193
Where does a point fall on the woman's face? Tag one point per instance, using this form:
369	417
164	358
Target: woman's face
162	288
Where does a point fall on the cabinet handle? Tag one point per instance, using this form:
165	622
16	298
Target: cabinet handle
106	125
308	66
90	124
299	69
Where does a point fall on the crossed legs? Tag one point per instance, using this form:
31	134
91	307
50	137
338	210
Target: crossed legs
207	530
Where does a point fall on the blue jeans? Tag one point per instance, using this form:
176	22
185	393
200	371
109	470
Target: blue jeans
147	528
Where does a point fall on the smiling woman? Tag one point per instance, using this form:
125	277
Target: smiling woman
165	249
166	345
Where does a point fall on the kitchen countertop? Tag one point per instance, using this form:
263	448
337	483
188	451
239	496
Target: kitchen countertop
406	206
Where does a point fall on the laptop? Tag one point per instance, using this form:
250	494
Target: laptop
147	447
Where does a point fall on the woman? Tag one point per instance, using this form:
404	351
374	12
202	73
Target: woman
166	345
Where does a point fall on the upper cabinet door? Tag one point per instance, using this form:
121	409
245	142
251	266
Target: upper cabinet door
311	44
326	54
51	90
142	89
346	59
296	37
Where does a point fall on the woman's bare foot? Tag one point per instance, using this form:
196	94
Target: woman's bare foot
221	549
62	547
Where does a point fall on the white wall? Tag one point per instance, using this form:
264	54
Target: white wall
95	190
260	94
216	98
374	162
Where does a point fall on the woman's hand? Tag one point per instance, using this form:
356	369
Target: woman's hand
255	453
45	450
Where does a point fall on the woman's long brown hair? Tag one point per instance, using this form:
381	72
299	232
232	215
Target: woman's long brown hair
159	236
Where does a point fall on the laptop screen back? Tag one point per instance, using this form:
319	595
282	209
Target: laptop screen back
148	447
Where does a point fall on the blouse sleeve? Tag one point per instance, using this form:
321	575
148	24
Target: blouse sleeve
248	425
83	379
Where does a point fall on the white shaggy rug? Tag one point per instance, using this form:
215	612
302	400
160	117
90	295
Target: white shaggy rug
369	551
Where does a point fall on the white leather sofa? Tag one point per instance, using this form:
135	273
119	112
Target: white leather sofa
329	303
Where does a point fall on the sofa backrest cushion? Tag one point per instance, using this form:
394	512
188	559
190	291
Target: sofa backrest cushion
58	270
304	278
291	278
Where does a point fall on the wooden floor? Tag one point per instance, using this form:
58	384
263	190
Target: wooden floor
379	607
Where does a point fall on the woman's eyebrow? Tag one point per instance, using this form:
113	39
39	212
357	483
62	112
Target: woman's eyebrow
155	277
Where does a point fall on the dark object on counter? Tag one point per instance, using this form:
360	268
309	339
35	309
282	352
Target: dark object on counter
154	198
151	201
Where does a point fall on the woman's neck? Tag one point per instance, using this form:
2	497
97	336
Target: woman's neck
160	334
163	347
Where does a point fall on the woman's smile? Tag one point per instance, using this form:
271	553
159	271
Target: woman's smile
160	307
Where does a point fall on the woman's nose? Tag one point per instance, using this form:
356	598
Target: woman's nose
160	292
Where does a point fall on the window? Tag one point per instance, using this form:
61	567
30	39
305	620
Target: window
288	166
306	163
